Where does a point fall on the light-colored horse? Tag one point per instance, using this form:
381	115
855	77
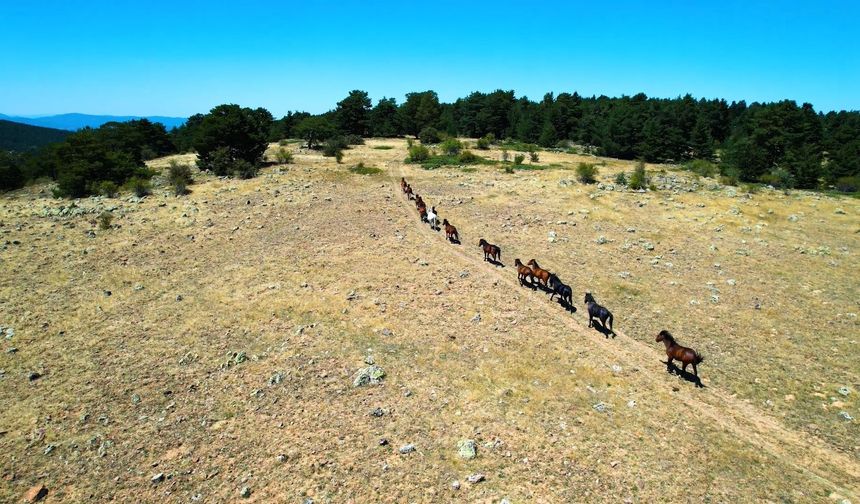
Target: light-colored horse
433	218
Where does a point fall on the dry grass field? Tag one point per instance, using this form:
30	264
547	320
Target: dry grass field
203	348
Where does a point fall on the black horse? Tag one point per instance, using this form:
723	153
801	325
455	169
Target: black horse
564	291
595	310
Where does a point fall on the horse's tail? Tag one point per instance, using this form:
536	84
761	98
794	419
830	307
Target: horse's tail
609	319
699	358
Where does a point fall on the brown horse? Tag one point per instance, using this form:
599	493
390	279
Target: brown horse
524	272
490	251
450	231
677	352
419	201
403	184
422	212
541	274
408	192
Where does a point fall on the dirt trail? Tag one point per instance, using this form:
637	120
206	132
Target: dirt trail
808	454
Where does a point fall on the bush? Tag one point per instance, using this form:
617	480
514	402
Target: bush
235	133
105	219
418	153
652	187
638	179
505	155
354	140
451	146
106	188
751	188
179	176
338	156
140	186
360	169
283	142
586	173
848	184
429	135
334	147
284	156
519	158
509	169
534	157
469	157
483	143
780	177
621	179
702	167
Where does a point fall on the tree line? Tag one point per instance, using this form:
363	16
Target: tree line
781	143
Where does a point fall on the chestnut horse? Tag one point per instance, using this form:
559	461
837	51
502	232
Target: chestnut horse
524	272
541	274
408	192
677	352
403	184
490	251
422	212
450	231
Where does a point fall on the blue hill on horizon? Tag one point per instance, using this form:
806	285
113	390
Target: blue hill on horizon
74	121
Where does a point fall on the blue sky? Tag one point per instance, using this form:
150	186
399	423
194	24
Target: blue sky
182	57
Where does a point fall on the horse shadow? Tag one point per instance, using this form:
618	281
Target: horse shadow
686	375
530	285
496	263
602	329
567	306
454	241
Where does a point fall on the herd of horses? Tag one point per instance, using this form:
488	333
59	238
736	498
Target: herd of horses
533	276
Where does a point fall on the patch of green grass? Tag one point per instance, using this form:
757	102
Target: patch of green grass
515	145
360	169
525	167
383	147
469	169
440	161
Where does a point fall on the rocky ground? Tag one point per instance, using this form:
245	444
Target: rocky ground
302	337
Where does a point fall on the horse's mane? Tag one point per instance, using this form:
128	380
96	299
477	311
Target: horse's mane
667	335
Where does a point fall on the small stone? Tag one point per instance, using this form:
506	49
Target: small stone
731	281
616	368
369	360
844	391
476	478
34	375
464	274
422	262
352	295
839	211
107	293
245	492
158	478
631	230
407	449
846	416
552	236
35	493
601	240
138	287
370	375
648	246
600	407
383	442
476	319
624	274
631	404
135	399
467	449
377	412
276	378
282	458
179	297
386	332
49	449
793	218
455	485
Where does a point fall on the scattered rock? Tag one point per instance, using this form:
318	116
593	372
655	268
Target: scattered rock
467	449
370	375
793	218
552	236
624	274
383	442
276	378
846	416
386	332
648	246
34	375
282	458
631	403
601	240
138	287
844	391
631	230
377	412
476	478
158	478
48	449
369	360
135	399
464	274
839	211
352	295
600	407
476	319
179	297
731	281
245	492
35	493
455	485
407	449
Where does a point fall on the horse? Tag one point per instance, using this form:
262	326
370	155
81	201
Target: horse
403	184
490	251
563	290
677	352
540	274
450	231
419	201
408	192
433	219
595	310
524	272
422	212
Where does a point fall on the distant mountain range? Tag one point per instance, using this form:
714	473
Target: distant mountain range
73	122
24	137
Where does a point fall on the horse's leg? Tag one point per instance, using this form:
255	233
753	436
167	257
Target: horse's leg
695	371
669	366
684	366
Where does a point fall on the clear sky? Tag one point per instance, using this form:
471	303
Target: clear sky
128	57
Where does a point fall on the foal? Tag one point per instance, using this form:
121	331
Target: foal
595	310
490	251
564	291
450	232
540	274
524	272
676	352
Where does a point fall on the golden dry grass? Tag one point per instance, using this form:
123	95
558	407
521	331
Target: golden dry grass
265	267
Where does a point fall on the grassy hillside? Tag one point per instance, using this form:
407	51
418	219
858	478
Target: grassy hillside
23	137
208	344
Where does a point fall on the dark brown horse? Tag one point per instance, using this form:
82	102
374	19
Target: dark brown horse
403	184
408	192
675	351
419	201
541	274
490	251
450	231
524	272
422	212
595	310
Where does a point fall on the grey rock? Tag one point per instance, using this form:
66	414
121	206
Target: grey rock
476	478
377	412
476	318
844	391
793	218
846	416
407	449
600	407
601	240
552	236
352	295
467	449
135	399
158	478
839	211
464	274
245	492
370	375
276	378
386	332
369	360
455	485
648	246
138	287
282	458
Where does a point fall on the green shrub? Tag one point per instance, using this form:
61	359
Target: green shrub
354	140
334	145
245	169
383	147
779	177
519	158
179	176
586	173
469	157
621	179
360	169
751	188
284	156
638	179
418	153
509	169
534	157
105	219
283	142
483	143
701	167
451	146
848	184
652	187
409	143
140	186
429	135
106	188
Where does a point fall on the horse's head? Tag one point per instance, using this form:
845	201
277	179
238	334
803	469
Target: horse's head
533	263
665	335
482	242
444	222
517	262
589	298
